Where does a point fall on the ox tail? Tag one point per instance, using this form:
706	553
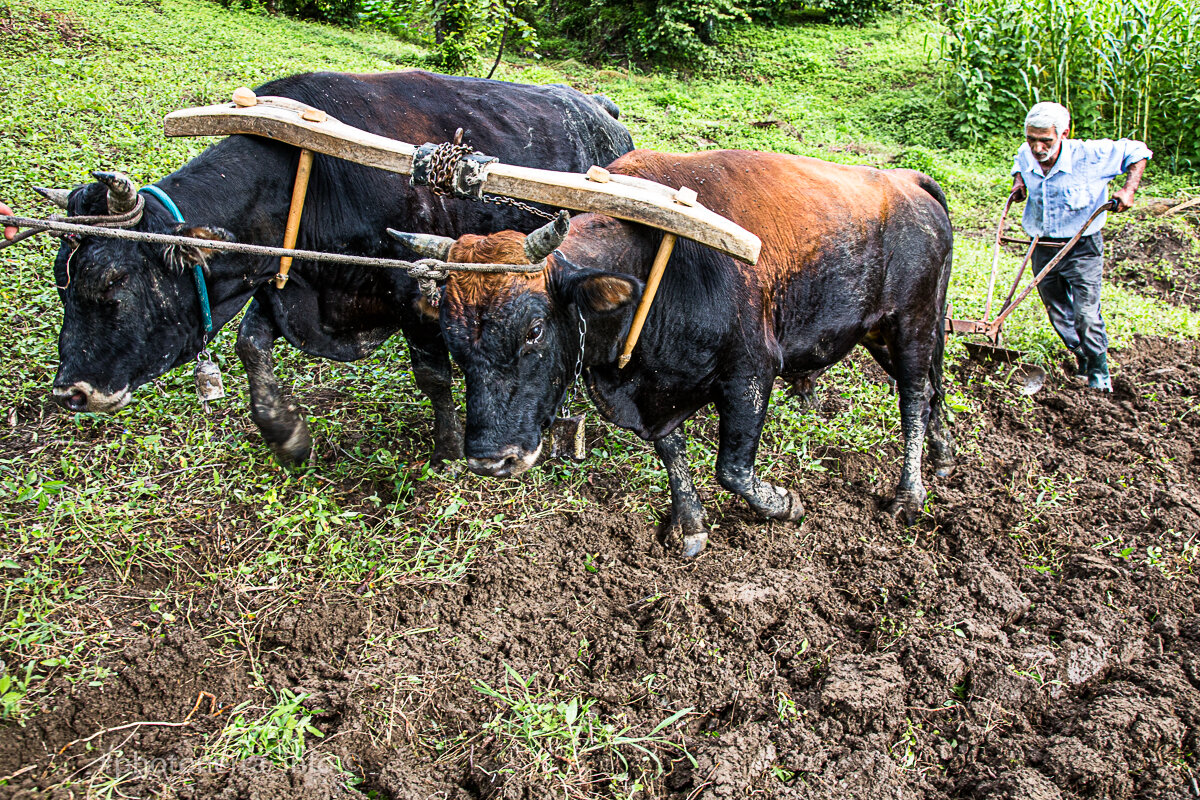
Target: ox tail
612	108
935	366
931	187
939	336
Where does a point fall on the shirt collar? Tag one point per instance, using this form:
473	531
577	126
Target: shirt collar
1065	162
1066	158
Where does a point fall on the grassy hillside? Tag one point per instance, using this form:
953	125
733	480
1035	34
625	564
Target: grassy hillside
99	512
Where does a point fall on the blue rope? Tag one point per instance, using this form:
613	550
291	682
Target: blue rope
197	271
162	197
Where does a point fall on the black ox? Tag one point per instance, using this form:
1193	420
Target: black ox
131	311
851	255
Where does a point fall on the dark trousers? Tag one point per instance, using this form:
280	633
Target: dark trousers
1071	294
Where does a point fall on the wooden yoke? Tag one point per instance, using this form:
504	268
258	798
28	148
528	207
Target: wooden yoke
245	98
623	197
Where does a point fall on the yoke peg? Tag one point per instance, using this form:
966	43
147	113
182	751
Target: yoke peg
686	196
598	174
244	97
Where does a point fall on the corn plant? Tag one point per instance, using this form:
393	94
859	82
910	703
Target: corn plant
1122	67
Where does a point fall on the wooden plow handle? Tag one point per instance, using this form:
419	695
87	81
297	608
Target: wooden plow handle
995	325
303	126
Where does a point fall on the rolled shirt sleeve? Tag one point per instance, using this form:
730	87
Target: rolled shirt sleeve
1060	202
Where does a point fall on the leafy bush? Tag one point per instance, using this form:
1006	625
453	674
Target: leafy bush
922	160
338	12
1122	67
388	15
671	31
853	12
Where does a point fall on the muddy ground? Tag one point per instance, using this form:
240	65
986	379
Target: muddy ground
1034	636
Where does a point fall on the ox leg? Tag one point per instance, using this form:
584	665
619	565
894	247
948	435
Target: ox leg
277	417
431	371
742	411
913	385
687	523
941	446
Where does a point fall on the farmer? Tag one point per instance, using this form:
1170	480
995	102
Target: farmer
1065	181
9	231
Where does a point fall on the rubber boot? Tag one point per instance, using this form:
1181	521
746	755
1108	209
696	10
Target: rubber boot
1081	365
1098	377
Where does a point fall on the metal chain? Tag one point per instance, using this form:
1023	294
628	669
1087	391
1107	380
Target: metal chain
501	200
572	391
445	158
441	166
582	340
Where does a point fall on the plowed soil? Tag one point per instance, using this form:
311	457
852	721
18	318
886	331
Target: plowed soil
1034	636
1158	259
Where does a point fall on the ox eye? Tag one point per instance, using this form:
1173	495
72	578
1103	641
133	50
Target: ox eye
115	282
535	332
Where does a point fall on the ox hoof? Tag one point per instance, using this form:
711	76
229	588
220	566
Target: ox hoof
447	451
688	538
905	509
943	470
693	545
793	507
294	452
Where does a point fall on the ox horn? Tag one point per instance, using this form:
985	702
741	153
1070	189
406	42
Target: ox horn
424	244
122	192
56	196
546	239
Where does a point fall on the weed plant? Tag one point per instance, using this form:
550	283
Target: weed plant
563	742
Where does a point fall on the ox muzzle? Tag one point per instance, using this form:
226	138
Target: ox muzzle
508	461
82	396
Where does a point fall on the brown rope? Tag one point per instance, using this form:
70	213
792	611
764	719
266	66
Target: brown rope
425	268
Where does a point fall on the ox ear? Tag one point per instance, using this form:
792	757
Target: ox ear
181	256
596	292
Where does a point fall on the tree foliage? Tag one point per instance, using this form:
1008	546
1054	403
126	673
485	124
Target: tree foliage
676	32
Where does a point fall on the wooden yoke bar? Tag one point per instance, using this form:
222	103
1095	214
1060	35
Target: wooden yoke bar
292	231
639	318
635	200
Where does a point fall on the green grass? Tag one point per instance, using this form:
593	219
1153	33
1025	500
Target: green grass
159	504
554	740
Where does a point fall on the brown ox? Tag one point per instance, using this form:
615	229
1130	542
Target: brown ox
851	255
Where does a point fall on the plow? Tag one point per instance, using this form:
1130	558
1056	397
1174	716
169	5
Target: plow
989	330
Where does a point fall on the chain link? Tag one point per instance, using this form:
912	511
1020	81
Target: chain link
579	361
501	200
441	166
445	158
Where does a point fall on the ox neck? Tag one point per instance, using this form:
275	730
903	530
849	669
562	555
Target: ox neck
604	243
197	270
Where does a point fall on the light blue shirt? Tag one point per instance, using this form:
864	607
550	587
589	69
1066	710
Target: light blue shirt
1062	200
